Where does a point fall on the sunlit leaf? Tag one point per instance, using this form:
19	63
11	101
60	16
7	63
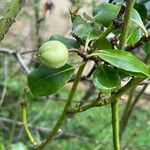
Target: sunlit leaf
124	60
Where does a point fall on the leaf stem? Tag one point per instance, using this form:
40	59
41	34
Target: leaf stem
61	119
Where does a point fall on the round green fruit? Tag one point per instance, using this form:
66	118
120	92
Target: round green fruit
53	54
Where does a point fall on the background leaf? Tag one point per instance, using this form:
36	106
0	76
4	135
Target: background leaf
70	43
141	8
146	47
81	28
124	60
106	79
45	81
106	12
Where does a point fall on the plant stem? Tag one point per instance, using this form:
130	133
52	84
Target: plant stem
98	102
106	32
115	122
24	121
123	37
64	113
115	125
124	34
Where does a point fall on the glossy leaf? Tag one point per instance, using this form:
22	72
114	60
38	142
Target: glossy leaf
124	60
102	44
45	81
70	43
81	28
106	79
106	12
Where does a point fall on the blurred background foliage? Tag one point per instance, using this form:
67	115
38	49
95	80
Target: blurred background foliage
90	130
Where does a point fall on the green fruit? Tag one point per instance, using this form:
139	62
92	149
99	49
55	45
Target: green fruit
53	54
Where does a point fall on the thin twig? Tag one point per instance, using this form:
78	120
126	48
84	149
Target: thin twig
145	82
29	51
19	123
136	132
87	96
137	44
41	112
22	63
11	52
7	51
129	101
98	102
5	79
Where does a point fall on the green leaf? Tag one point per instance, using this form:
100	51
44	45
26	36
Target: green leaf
102	44
70	43
134	35
106	12
94	35
136	28
122	73
45	81
124	60
136	21
141	8
106	79
146	47
81	28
